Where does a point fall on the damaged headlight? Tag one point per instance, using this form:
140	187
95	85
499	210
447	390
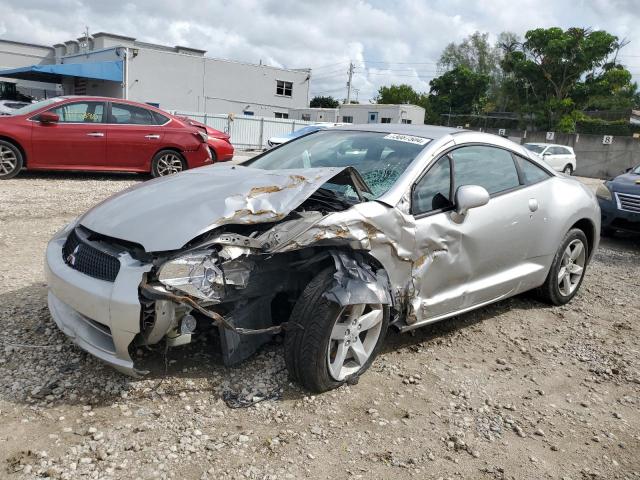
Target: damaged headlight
203	274
197	274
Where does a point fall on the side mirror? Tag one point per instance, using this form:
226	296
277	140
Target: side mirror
48	117
470	196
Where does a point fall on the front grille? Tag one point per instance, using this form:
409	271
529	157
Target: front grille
85	258
628	202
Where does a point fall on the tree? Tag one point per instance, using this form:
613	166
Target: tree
459	91
555	71
480	56
405	94
324	102
475	53
398	94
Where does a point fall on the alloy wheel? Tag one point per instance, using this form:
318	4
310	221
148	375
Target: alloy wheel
8	161
168	164
571	267
353	338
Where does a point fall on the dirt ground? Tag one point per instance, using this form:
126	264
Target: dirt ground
514	390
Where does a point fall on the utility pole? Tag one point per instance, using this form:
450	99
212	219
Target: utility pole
351	68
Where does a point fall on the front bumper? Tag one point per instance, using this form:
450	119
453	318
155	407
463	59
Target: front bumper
615	218
101	317
223	150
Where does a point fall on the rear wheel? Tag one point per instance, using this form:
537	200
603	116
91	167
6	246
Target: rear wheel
568	169
336	344
567	270
11	160
167	162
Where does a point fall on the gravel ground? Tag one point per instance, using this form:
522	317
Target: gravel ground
515	390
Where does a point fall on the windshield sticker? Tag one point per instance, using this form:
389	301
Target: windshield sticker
407	139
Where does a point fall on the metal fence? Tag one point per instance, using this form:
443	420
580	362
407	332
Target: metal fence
247	133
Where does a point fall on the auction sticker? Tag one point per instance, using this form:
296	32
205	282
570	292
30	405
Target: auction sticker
407	138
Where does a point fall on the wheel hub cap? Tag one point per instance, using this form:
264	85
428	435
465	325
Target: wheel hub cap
353	339
571	267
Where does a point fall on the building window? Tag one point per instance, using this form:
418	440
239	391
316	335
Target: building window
281	115
347	119
306	117
284	88
404	120
248	113
385	120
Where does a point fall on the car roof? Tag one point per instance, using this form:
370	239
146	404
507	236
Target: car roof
427	131
541	144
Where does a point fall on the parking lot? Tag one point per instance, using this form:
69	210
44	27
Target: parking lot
514	390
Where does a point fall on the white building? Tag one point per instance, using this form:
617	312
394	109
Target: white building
174	78
362	113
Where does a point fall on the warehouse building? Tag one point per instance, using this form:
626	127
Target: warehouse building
173	78
362	113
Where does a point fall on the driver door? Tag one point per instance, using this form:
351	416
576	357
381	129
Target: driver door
472	259
77	139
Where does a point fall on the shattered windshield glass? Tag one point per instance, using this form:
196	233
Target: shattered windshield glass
380	158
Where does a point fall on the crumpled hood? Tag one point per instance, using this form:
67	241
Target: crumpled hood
166	213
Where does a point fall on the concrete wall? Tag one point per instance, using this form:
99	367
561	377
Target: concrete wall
195	83
17	54
594	159
396	113
315	114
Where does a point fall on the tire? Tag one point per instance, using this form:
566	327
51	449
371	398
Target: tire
11	160
214	155
554	290
307	350
568	169
167	162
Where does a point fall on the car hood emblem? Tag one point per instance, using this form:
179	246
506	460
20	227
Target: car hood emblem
72	257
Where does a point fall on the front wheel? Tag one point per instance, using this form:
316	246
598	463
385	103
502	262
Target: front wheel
568	169
567	270
167	162
10	160
335	344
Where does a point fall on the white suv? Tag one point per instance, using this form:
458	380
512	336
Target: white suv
559	157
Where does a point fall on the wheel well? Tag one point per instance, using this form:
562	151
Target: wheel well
173	149
18	146
589	230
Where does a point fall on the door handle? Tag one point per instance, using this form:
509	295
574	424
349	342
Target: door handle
95	134
152	136
533	204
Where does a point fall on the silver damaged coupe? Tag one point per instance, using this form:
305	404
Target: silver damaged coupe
328	240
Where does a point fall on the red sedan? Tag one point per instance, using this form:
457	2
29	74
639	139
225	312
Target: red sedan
105	134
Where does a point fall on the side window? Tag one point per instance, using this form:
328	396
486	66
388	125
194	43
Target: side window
433	191
532	173
160	119
81	112
489	167
130	114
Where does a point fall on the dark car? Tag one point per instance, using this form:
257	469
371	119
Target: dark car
100	134
619	200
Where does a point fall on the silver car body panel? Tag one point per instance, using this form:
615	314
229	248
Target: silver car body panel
200	200
436	266
101	317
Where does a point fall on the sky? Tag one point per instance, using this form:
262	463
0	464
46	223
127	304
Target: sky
389	41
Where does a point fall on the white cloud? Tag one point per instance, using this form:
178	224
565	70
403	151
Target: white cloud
409	34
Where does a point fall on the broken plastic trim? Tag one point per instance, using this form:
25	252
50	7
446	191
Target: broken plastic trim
356	282
159	293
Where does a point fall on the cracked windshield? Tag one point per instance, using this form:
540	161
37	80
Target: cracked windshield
380	158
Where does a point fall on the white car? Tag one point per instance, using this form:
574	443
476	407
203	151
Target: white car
559	157
280	139
7	107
